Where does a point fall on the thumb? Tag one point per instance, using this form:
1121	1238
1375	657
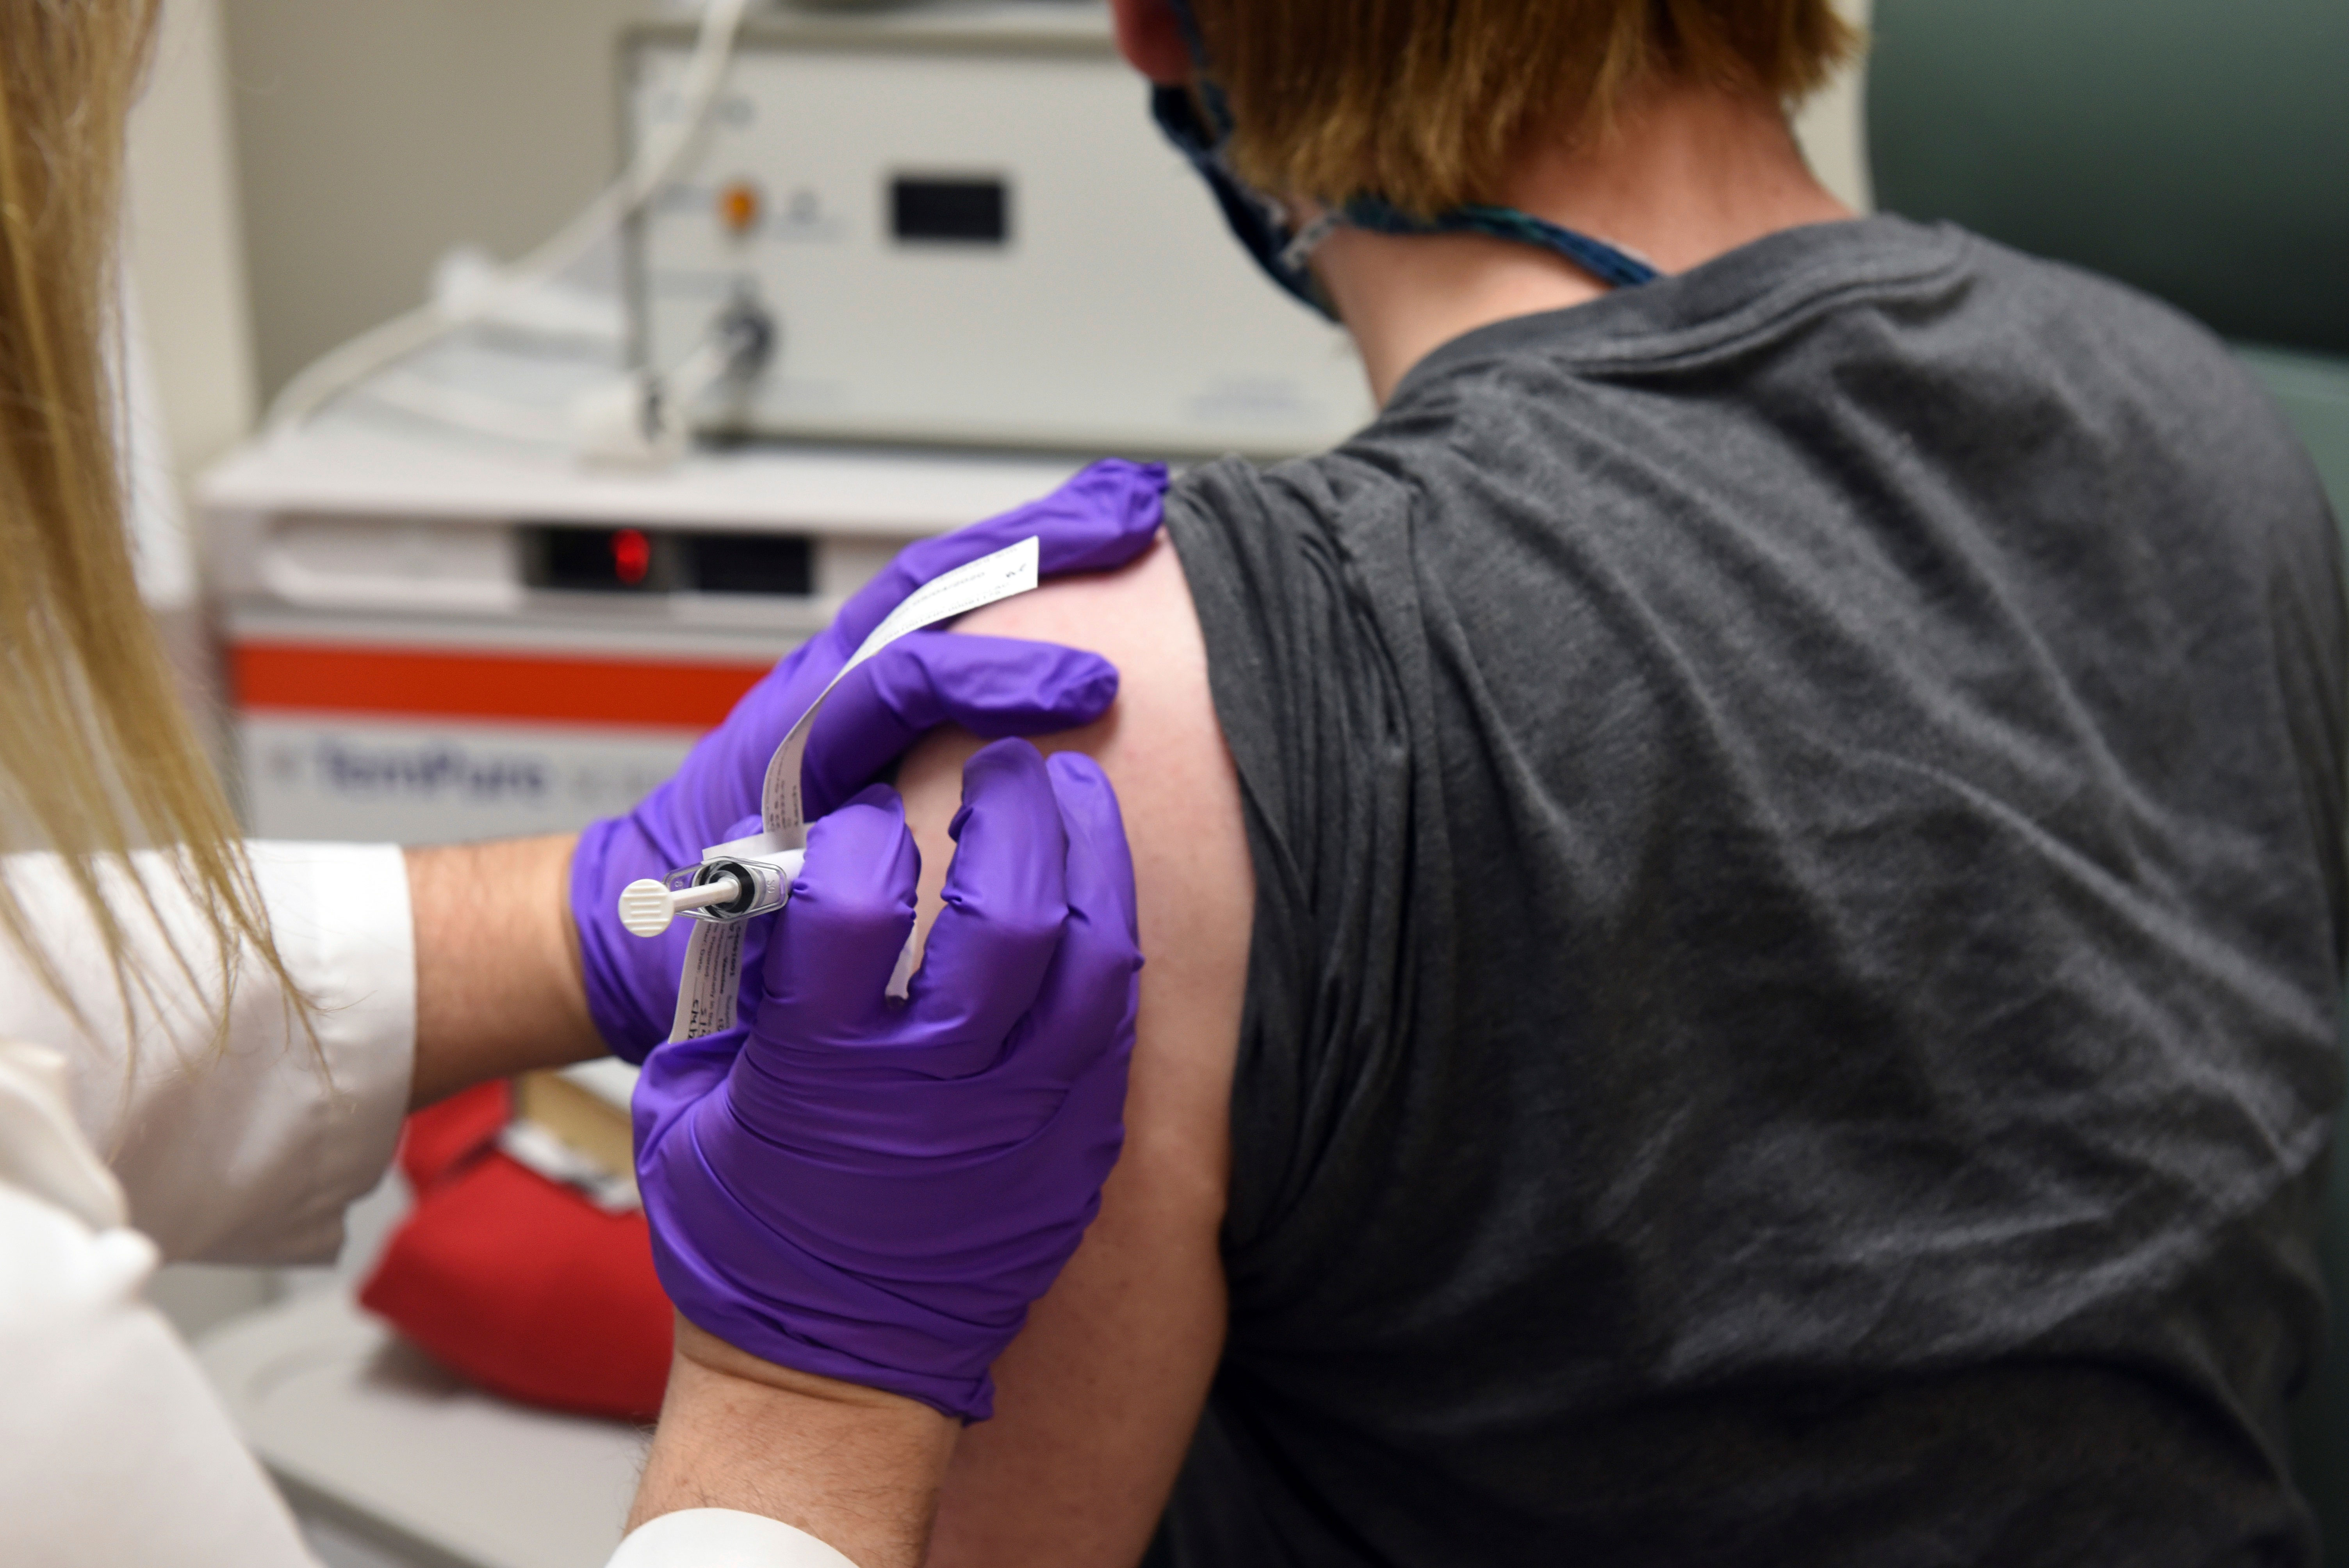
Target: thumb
1006	903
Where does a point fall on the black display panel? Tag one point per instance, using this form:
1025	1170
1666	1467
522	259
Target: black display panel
752	563
661	560
599	560
963	212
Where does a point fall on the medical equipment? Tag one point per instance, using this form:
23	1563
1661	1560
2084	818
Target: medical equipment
648	908
960	227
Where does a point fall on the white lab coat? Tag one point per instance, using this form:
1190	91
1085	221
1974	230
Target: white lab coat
113	1449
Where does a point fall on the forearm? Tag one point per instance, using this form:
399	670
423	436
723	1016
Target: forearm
498	984
856	1468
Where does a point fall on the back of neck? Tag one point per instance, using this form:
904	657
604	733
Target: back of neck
1687	174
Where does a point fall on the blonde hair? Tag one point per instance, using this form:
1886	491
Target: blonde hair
1422	102
97	756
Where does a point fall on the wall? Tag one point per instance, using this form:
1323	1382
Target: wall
186	250
190	391
373	134
1832	125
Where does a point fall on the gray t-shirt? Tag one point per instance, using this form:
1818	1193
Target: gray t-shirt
1797	814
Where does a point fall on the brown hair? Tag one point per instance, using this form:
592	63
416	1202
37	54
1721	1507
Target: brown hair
97	756
1422	102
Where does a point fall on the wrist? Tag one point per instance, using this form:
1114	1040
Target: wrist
707	1351
734	1272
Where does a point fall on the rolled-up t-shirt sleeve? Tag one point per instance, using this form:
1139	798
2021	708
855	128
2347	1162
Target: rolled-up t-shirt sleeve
1311	685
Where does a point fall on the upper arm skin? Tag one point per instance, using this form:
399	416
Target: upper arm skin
1096	1400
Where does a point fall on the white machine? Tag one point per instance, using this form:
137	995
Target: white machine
957	225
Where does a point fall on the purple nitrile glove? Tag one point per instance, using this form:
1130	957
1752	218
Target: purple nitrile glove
990	685
874	1190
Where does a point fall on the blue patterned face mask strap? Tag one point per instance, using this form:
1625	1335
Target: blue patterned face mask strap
1200	127
1210	92
1611	264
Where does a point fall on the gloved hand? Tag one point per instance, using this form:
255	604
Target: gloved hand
876	1191
989	686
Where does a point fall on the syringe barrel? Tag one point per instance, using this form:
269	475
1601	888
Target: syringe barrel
766	884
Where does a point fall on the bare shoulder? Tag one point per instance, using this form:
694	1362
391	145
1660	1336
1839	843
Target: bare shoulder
1141	619
1097	1399
1164	752
1161	747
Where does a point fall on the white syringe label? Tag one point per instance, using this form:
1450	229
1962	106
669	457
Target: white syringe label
713	964
712	980
1011	570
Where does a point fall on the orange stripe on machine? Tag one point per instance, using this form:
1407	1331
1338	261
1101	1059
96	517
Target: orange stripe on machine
426	682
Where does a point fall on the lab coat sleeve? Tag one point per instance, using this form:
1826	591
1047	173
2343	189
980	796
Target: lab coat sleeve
722	1538
117	1450
245	1146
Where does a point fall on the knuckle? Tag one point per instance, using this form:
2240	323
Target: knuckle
1100	948
1033	929
857	916
1024	924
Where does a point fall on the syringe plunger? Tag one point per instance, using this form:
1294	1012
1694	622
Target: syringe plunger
646	906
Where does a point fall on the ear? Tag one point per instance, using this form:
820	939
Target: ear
1152	43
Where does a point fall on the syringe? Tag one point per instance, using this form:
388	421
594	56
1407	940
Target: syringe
723	888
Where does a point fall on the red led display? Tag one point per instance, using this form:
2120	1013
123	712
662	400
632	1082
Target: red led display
632	555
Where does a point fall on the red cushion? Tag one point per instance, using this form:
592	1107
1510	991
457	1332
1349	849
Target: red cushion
440	1138
522	1284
